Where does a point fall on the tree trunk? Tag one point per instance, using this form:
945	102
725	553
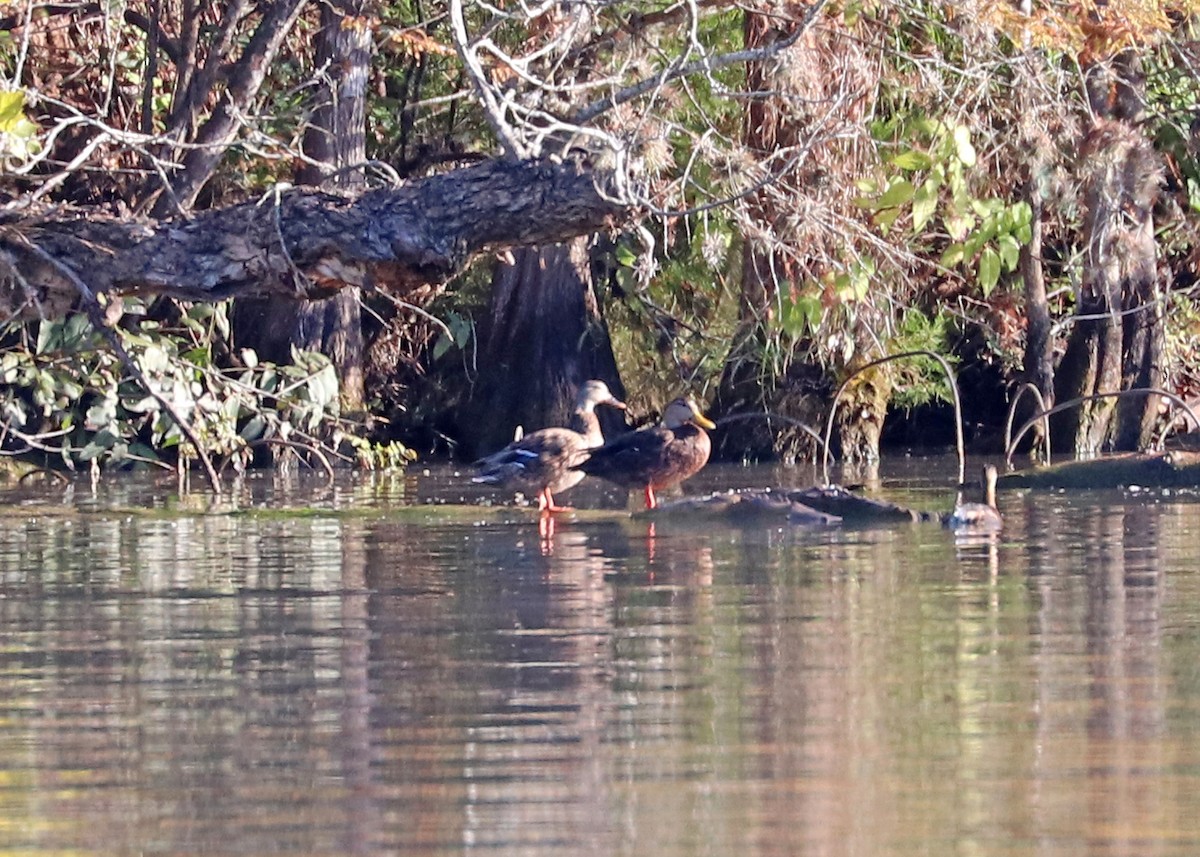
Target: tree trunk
743	387
1039	344
335	142
544	336
1118	338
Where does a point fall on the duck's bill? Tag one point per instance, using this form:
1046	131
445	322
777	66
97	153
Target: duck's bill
617	403
703	421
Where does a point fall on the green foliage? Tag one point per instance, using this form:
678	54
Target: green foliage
920	380
458	333
1172	92
71	398
934	167
673	330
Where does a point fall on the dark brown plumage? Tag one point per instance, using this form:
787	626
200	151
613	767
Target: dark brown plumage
655	458
541	462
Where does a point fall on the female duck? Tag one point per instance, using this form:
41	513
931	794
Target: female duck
541	462
655	458
979	517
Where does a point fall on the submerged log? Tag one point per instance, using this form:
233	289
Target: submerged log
750	505
812	507
1174	469
836	500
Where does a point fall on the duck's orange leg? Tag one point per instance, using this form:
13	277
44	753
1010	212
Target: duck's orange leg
651	500
546	503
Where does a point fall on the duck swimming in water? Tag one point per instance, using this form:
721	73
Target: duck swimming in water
979	517
542	462
655	458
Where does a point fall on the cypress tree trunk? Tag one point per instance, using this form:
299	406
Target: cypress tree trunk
543	337
336	141
1118	338
1039	346
745	386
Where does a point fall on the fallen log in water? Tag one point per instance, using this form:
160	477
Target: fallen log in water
812	507
1175	469
750	505
855	509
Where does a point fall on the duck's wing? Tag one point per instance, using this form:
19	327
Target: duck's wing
630	459
537	456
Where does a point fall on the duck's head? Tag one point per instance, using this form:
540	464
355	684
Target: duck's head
592	393
685	410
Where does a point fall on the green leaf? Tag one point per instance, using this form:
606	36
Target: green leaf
254	428
962	146
1010	251
959	227
900	192
989	270
886	217
12	110
143	450
1022	214
100	443
912	160
323	386
924	205
952	255
200	356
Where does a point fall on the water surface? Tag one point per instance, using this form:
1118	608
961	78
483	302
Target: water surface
368	667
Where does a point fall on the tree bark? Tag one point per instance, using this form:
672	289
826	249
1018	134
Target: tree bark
1039	344
1118	339
544	336
335	143
304	244
743	387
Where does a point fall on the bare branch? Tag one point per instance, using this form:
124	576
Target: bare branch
706	65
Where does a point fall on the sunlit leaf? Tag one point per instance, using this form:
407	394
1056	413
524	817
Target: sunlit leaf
960	226
989	270
962	146
12	110
900	192
1010	251
912	160
924	205
885	218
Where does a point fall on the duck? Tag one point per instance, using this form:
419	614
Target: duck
655	458
542	461
979	517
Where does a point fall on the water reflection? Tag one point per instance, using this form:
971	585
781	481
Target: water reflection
315	669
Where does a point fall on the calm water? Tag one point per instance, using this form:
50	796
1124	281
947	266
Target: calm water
311	669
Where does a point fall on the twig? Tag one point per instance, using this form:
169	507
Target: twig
1012	413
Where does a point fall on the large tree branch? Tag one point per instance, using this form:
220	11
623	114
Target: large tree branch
304	244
